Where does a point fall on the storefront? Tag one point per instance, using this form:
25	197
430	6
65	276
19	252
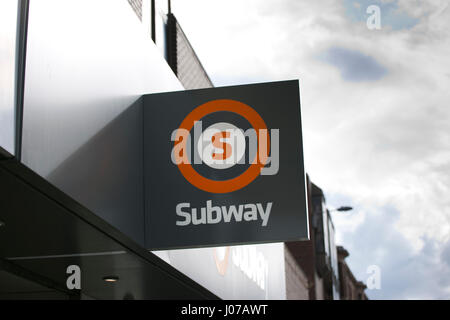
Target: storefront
71	161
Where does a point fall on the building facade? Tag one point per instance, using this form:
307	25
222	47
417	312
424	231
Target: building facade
350	288
71	159
327	275
317	257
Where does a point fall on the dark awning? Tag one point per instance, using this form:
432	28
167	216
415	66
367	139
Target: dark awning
43	231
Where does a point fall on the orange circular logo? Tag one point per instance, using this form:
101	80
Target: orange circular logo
254	170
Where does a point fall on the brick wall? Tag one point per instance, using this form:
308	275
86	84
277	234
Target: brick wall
296	281
351	288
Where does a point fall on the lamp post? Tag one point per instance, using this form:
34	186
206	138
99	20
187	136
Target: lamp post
342	209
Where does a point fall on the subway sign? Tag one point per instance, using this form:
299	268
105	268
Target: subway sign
224	166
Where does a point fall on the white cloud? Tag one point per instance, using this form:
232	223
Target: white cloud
381	143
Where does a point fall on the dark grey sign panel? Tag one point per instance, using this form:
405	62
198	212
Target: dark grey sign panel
224	166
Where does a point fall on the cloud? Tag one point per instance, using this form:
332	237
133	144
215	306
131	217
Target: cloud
405	274
382	141
353	65
445	256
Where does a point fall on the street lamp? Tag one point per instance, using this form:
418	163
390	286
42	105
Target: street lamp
343	209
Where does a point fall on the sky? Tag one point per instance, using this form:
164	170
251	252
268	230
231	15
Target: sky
375	117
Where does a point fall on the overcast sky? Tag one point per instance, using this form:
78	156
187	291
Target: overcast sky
376	117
